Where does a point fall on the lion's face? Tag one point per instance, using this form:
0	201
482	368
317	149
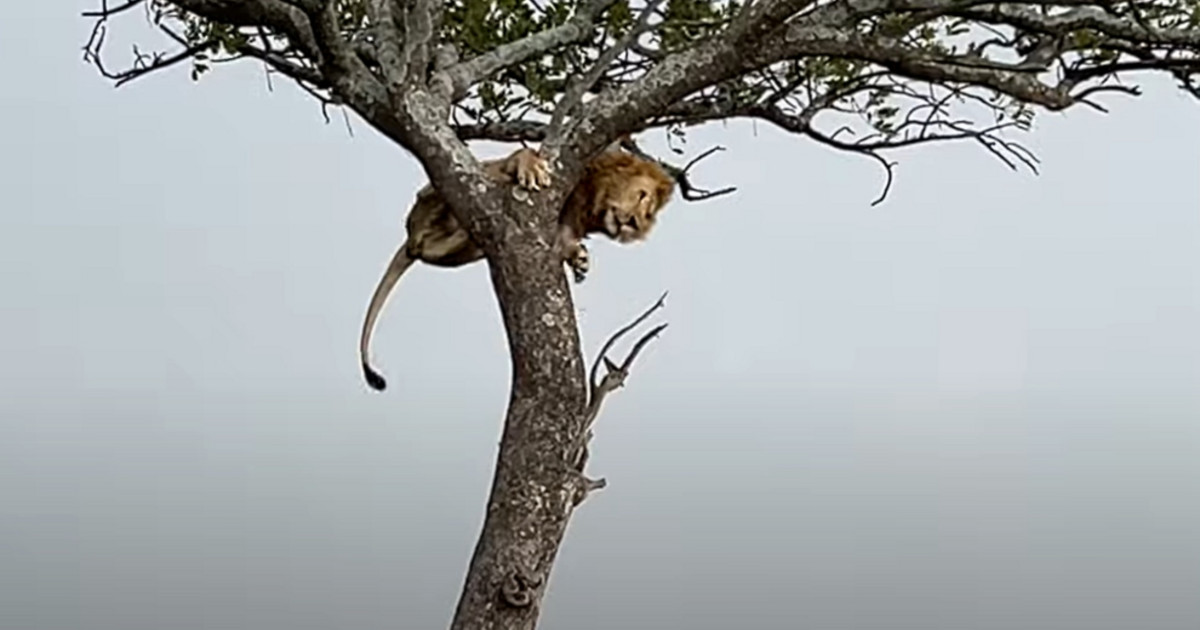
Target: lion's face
630	206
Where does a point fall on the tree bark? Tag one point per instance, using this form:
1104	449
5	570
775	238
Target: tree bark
535	484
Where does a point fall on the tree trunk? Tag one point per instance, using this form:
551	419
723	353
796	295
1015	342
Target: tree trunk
535	484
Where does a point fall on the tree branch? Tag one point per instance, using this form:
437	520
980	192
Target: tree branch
577	87
823	32
387	49
467	73
106	12
280	16
687	190
505	131
280	64
1083	17
531	131
613	379
422	20
143	63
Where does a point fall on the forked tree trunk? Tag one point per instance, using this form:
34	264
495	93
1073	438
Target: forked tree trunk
535	484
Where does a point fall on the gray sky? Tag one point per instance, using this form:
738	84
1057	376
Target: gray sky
971	408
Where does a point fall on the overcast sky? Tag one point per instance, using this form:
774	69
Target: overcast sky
974	407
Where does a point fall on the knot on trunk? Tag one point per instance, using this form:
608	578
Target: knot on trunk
519	587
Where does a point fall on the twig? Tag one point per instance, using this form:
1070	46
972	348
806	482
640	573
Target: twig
613	379
573	95
105	12
660	303
158	61
688	190
469	72
986	137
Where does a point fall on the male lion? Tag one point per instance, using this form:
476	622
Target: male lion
619	195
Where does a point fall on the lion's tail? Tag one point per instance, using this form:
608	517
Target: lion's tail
399	264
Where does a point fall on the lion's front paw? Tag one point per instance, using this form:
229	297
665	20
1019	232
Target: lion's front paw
579	262
533	172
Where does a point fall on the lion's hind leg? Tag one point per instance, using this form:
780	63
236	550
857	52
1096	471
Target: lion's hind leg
451	248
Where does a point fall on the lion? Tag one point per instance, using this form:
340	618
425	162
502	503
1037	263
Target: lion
619	195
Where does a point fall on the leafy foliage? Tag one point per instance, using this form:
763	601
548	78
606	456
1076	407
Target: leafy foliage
865	103
477	26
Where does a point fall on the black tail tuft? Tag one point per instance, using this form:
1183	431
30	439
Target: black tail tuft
374	379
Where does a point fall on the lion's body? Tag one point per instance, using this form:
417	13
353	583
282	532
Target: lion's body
435	236
619	195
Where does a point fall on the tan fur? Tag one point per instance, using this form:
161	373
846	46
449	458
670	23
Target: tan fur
619	195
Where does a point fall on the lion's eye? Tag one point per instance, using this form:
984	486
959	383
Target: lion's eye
641	195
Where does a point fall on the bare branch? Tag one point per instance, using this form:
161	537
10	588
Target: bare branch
143	63
422	19
986	137
338	61
687	189
613	379
1089	17
660	303
286	18
506	131
825	31
577	88
280	64
465	74
387	41
1081	74
106	12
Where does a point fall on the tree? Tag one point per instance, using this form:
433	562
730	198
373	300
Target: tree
576	75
